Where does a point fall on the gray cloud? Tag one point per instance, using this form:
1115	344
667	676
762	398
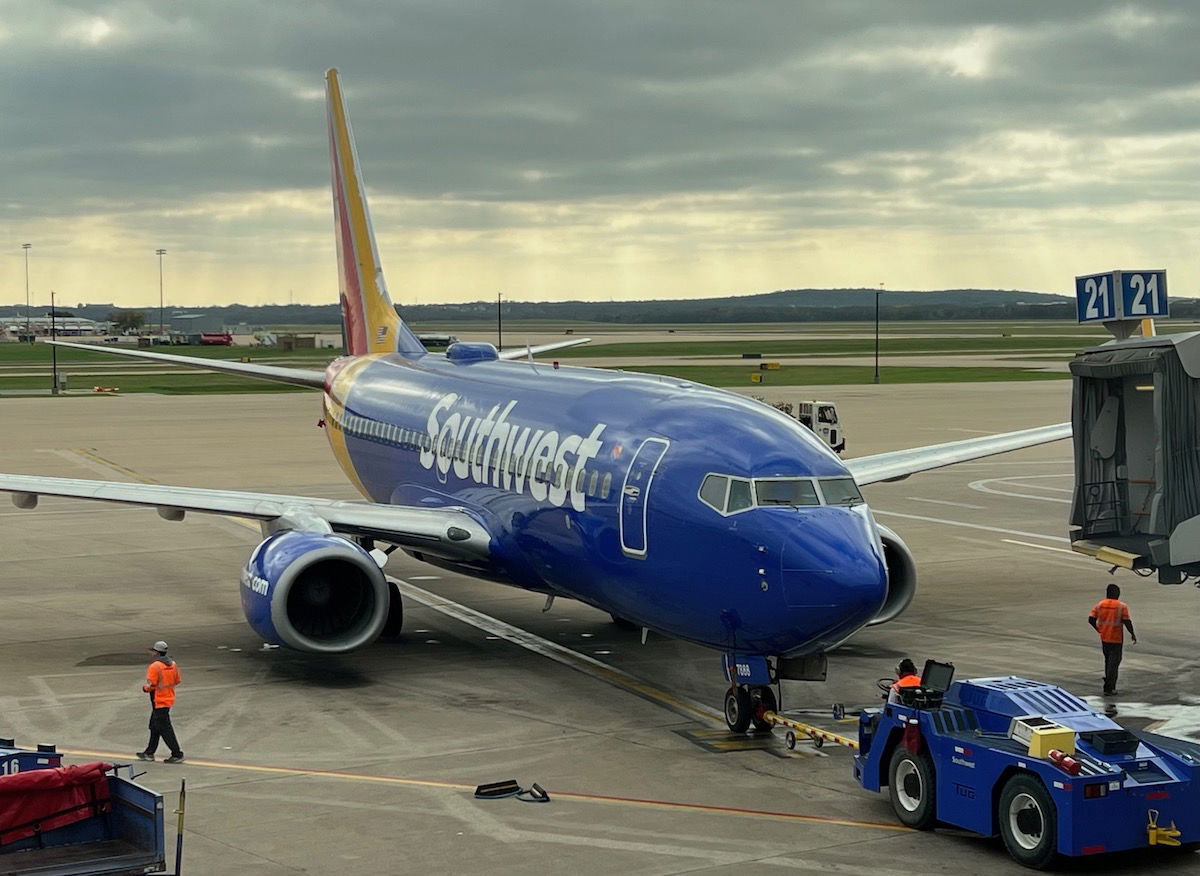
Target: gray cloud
846	114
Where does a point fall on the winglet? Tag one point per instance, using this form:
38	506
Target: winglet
371	322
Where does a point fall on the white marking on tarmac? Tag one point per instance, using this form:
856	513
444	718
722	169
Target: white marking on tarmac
1044	547
998	529
982	486
944	502
812	865
559	654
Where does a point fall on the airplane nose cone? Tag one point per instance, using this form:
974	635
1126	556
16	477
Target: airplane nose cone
833	573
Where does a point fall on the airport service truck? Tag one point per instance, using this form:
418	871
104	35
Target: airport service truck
819	416
1031	762
84	820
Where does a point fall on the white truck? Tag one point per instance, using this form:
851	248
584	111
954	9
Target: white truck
820	416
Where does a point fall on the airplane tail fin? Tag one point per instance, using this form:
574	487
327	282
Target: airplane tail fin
369	319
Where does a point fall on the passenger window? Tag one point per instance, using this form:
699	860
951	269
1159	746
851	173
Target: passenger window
591	490
712	492
606	485
579	478
739	496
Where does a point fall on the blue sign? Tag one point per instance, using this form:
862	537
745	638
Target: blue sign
1094	299
1144	294
1121	295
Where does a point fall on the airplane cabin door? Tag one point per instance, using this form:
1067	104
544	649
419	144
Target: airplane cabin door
635	492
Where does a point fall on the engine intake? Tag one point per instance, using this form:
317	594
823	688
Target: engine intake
314	592
902	576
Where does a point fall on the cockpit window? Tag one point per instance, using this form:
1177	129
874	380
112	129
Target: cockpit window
791	491
712	492
840	491
740	496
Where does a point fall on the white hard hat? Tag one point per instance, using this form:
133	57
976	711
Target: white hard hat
160	646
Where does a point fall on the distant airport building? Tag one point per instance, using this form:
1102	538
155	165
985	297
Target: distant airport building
15	324
196	323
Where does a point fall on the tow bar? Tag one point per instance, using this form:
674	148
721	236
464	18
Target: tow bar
816	735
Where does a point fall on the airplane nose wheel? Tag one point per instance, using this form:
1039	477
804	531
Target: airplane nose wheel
738	710
743	705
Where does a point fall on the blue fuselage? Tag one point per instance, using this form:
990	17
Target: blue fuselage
590	482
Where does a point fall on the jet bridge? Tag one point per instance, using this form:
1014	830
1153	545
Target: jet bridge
1136	421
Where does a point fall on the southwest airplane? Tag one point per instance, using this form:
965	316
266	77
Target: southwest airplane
675	507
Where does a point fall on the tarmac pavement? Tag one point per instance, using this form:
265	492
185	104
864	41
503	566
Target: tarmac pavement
364	763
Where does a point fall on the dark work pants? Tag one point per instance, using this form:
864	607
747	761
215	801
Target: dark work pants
160	726
1112	662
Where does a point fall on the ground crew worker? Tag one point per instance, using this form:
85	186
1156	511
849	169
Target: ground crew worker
1110	617
162	675
907	672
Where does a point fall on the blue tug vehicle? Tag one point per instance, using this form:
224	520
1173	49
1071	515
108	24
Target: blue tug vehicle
1031	762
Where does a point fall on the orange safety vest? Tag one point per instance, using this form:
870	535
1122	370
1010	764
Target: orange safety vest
908	681
160	683
1110	615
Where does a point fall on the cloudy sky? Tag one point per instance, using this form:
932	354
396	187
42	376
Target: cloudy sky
599	150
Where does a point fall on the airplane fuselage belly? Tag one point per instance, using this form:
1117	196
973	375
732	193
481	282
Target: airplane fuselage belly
541	455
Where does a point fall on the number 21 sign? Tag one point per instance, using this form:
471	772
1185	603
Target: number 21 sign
1116	295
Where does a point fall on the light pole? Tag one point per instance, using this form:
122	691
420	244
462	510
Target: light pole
499	324
160	253
25	246
877	294
53	348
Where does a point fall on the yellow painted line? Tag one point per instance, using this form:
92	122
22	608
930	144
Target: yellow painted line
579	796
115	466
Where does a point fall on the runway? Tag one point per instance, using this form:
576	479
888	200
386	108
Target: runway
364	763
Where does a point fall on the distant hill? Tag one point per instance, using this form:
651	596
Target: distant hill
788	305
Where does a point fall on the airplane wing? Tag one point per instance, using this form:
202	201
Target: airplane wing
522	352
899	464
445	532
296	376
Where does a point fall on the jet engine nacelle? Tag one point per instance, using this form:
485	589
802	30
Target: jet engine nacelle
314	592
902	576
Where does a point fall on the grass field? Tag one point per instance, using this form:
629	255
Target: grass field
25	367
826	347
815	375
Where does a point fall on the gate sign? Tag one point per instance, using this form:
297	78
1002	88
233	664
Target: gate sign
1121	295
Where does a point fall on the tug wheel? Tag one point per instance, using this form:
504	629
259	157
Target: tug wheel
766	699
790	740
912	790
738	711
1028	822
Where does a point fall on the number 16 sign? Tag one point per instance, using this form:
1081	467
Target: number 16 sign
1117	295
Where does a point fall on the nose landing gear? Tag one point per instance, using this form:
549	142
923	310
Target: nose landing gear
745	705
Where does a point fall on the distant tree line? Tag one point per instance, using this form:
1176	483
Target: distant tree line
807	305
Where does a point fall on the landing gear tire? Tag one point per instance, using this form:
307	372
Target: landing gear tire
395	617
1028	822
912	790
623	624
738	709
764	697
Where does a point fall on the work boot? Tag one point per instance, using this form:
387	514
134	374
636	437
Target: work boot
175	758
145	755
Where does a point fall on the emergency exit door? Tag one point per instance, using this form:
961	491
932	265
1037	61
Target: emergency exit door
634	494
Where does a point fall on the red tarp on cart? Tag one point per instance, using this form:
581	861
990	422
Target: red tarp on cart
52	798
